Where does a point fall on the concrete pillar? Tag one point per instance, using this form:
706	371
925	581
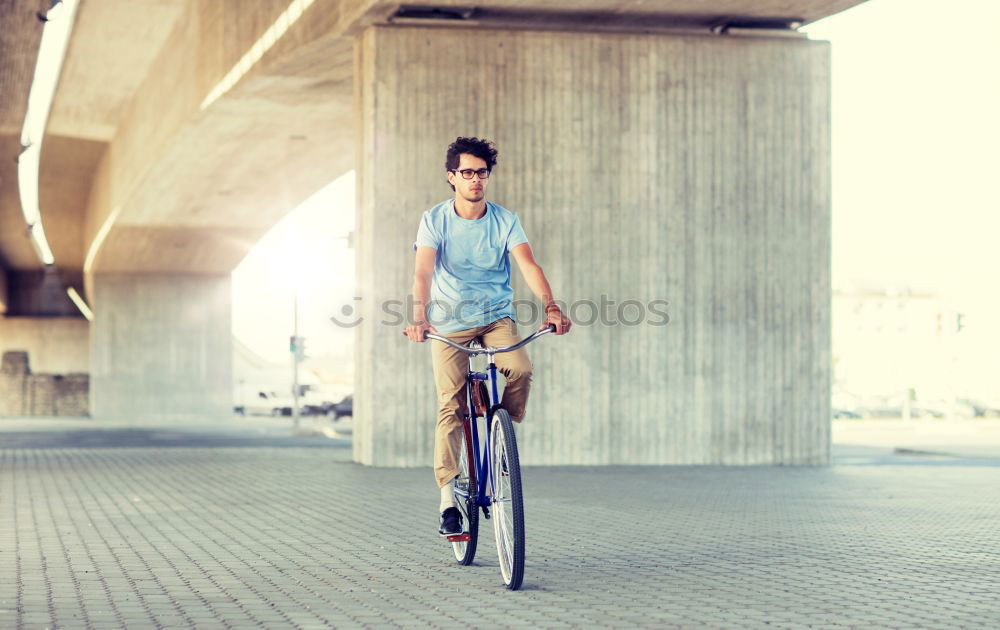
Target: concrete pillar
161	347
692	170
15	372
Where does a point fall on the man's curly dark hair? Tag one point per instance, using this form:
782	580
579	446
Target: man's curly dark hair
481	148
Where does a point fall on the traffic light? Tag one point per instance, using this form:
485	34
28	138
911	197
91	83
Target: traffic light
297	346
959	322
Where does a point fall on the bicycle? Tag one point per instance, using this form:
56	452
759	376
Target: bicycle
497	462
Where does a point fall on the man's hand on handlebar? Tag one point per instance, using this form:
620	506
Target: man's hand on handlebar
554	316
416	332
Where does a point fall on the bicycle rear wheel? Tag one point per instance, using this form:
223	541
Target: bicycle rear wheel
465	497
508	502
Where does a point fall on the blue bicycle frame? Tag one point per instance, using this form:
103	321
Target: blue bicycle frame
481	458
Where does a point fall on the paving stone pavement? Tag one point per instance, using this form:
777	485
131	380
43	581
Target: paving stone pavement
178	528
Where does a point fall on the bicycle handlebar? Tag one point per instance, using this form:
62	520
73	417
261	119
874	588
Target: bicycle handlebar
475	351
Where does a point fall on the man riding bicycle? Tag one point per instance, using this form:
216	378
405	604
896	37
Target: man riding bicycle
461	290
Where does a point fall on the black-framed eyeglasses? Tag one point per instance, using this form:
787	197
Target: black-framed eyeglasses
484	173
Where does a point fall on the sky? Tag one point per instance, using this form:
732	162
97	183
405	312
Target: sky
916	154
307	251
916	137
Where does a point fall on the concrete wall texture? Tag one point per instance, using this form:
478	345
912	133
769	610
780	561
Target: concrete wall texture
23	393
45	365
56	345
161	347
689	169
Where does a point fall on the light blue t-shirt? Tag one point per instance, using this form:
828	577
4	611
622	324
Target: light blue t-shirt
471	283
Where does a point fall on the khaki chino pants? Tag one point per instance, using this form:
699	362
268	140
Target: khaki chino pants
451	367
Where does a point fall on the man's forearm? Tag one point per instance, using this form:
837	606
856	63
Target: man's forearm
539	285
421	296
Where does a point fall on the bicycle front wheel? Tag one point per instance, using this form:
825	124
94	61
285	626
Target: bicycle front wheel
465	493
507	499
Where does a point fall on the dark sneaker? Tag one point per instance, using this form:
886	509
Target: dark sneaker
451	522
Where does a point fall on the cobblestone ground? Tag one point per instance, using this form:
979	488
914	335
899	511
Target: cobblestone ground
128	528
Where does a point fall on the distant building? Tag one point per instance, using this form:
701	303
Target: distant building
887	341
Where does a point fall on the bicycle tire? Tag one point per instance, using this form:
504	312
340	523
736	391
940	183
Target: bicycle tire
465	552
508	506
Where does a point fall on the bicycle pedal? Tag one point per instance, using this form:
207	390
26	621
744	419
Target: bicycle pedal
460	538
486	512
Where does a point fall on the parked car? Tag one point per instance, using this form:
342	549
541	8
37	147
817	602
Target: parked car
344	408
926	410
267	404
845	413
311	402
884	409
977	409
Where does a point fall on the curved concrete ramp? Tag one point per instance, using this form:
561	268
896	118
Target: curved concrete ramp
195	198
245	111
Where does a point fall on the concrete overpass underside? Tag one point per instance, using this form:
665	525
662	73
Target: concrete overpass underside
654	150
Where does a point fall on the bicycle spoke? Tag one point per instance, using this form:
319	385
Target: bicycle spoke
464	551
502	509
508	519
